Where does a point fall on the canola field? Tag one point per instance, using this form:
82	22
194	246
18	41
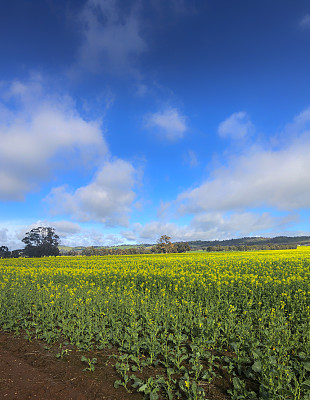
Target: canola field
192	319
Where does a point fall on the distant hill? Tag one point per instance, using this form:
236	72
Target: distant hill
204	244
252	241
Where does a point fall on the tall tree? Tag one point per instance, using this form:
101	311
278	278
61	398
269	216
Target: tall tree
164	245
41	241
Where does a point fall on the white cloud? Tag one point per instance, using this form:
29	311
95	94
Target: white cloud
237	126
107	199
305	22
278	178
37	130
3	235
9	238
111	37
169	123
92	237
151	231
65	228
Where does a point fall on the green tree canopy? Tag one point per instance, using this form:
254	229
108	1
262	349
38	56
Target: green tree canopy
4	252
40	242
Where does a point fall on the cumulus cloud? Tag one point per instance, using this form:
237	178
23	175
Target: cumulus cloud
237	126
305	22
65	228
107	199
37	129
168	123
278	178
111	37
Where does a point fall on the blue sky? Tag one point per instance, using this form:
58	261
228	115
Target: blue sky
121	121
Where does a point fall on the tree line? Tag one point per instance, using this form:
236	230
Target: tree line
252	248
251	241
44	242
163	245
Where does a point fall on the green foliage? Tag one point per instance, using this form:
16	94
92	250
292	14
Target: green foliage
4	252
63	351
41	241
164	245
90	362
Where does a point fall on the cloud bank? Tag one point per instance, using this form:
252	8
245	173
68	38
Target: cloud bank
211	226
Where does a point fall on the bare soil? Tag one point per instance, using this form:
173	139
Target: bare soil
31	370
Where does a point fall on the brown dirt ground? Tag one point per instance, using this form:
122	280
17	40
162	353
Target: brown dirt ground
30	370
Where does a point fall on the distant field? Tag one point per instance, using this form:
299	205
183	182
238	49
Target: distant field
181	324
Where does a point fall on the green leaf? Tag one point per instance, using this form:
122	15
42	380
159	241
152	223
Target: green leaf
306	365
236	383
169	394
117	384
257	366
142	388
153	396
306	384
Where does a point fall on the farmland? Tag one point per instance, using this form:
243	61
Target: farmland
180	324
